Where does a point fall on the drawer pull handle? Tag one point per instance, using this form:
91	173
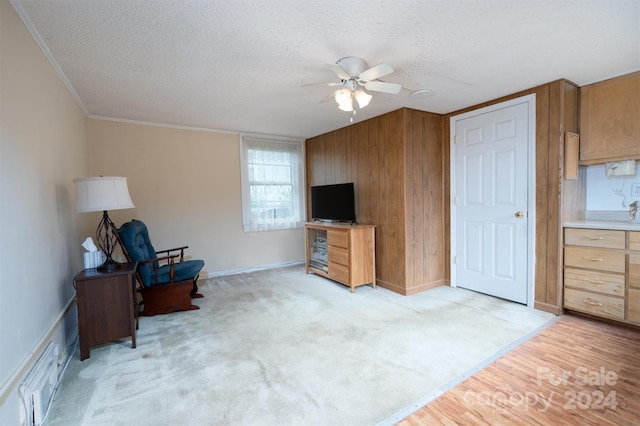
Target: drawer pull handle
587	280
587	237
592	302
593	259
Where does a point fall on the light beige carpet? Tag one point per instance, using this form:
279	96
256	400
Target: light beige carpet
280	347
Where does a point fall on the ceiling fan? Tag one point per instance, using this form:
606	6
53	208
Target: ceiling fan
356	76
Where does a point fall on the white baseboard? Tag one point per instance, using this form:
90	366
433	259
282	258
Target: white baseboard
29	360
215	274
69	350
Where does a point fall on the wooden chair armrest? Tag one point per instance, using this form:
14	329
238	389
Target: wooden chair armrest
180	249
170	262
159	259
173	249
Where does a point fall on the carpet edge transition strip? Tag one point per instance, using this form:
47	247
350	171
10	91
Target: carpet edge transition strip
417	405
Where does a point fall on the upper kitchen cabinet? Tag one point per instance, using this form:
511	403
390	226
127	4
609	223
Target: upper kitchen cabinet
610	120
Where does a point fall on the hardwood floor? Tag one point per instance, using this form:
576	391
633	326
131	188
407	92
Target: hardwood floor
579	371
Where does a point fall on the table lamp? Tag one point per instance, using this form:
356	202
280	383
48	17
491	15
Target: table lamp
102	194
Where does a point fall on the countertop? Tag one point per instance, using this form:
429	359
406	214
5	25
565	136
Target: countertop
603	224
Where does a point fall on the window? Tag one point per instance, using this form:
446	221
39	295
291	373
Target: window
272	183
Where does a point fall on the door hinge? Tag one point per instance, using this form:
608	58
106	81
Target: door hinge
455	260
455	139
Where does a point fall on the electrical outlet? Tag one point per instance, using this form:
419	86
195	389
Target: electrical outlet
635	189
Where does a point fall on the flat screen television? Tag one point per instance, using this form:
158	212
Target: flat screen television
335	203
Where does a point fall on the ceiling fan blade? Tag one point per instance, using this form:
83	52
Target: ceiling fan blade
383	86
337	69
322	84
328	98
376	72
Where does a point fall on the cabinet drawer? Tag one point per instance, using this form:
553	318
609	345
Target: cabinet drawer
339	255
594	238
339	272
594	258
596	304
338	238
634	240
634	270
601	282
634	305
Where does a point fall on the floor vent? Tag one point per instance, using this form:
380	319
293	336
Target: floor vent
38	387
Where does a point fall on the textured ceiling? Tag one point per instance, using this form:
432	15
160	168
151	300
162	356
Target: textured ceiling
240	65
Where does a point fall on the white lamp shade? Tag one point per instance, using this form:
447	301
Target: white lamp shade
343	99
102	193
346	106
363	98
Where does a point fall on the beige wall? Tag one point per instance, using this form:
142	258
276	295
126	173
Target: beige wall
185	185
42	148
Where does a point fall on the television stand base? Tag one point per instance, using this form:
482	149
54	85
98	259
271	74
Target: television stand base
342	252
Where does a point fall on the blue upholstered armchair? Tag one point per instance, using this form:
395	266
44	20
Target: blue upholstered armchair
168	282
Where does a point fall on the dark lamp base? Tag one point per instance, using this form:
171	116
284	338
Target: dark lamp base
109	266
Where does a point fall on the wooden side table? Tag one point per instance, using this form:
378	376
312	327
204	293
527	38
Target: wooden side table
106	306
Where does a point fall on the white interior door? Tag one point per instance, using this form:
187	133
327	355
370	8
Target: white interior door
490	200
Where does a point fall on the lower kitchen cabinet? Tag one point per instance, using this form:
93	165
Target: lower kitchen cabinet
602	273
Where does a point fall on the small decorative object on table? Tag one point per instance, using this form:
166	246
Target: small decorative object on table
633	211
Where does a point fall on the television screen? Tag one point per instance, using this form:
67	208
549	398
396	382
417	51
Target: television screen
333	202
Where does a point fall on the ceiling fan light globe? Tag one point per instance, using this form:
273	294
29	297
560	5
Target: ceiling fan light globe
346	105
363	98
344	99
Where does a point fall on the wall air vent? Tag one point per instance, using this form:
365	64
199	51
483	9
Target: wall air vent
36	392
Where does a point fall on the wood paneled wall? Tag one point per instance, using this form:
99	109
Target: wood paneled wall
395	162
401	167
426	261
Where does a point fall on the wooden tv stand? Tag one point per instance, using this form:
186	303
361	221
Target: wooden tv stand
341	252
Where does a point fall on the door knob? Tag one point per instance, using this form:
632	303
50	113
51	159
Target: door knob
519	214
